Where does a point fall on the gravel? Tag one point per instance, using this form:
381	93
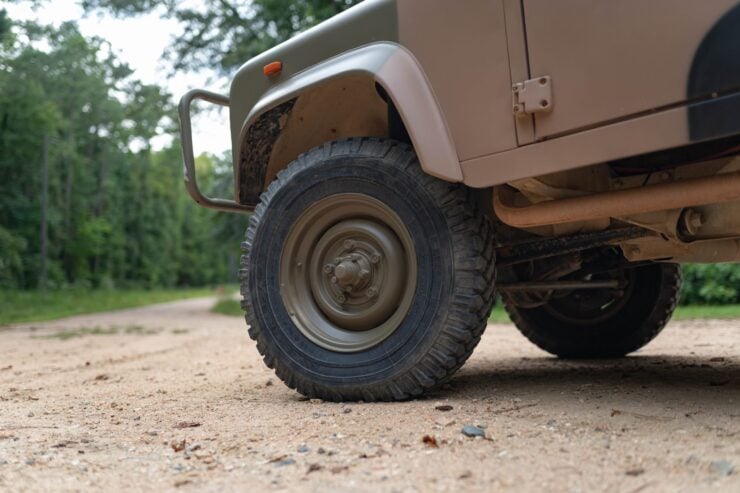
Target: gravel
656	421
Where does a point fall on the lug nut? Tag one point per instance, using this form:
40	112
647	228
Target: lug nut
334	279
372	292
375	258
328	269
349	244
341	298
364	274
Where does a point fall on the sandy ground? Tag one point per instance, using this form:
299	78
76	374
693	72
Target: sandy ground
108	401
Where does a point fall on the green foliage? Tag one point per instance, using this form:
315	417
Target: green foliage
4	26
11	258
711	284
223	34
117	212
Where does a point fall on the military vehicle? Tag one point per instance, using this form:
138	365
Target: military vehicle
407	160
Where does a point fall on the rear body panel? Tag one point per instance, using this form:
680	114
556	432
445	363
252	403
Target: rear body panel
610	60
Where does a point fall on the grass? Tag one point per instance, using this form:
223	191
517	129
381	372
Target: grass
64	335
722	312
499	315
36	306
228	306
694	312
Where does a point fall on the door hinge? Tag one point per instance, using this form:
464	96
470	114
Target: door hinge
533	96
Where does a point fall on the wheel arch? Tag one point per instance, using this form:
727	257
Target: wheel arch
378	90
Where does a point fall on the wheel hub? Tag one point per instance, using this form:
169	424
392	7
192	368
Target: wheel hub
348	272
362	274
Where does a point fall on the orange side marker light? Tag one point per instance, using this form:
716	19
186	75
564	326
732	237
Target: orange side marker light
272	69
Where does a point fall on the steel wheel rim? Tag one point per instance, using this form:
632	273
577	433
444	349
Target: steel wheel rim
348	272
559	308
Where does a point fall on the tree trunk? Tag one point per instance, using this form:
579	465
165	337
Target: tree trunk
44	207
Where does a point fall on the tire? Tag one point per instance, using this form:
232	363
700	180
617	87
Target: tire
650	300
448	281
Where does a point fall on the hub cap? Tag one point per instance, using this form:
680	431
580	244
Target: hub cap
348	272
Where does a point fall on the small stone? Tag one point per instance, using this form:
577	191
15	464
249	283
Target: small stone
444	407
347	410
314	468
152	433
635	472
445	422
303	449
321	450
316	401
30	462
722	467
285	462
30	415
473	431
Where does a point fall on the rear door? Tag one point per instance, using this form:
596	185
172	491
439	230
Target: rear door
610	60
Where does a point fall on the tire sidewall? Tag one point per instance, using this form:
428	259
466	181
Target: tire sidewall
633	326
425	221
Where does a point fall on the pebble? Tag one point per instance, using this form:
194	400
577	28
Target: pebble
285	462
303	449
473	431
722	467
445	422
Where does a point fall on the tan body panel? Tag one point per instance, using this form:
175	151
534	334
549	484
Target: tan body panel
462	48
619	83
610	59
628	138
398	72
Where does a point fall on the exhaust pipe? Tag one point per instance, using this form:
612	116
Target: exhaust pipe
694	192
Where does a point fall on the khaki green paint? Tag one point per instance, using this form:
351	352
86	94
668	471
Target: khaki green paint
369	22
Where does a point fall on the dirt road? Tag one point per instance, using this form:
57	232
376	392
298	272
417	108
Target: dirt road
173	397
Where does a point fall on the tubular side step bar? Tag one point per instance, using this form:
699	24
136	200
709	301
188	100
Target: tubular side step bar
186	139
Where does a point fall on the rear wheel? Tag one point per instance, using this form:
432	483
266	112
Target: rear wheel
603	323
363	277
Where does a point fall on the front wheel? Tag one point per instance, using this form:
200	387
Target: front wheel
603	323
363	277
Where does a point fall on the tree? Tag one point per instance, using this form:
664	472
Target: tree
223	34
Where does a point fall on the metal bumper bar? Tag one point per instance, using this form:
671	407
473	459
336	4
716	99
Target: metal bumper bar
186	139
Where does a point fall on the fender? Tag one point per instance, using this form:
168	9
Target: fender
392	67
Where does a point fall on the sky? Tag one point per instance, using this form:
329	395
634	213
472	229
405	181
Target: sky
140	42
